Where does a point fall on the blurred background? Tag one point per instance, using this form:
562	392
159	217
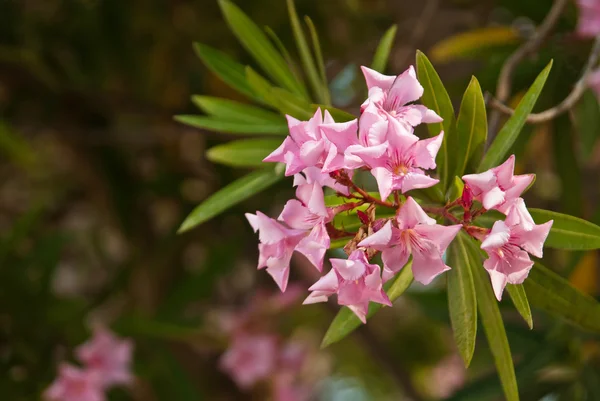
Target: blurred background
96	177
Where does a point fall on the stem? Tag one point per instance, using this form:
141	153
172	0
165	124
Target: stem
369	199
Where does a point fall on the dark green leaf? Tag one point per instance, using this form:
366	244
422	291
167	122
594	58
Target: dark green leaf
384	48
510	131
235	111
233	127
519	298
256	42
468	141
242	153
437	99
462	302
568	232
232	194
346	321
319	59
552	293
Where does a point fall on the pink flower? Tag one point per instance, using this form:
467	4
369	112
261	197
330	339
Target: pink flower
594	82
355	281
313	175
589	18
416	234
305	146
508	245
498	188
250	359
308	210
108	356
74	384
342	136
403	161
448	376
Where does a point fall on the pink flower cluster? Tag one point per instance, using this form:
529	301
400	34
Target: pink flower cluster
322	153
106	360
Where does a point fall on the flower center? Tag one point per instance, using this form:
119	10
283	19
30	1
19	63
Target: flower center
401	170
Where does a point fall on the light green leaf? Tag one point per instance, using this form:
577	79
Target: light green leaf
232	194
552	293
468	141
462	302
437	99
346	321
456	189
319	59
568	232
242	153
305	55
384	48
233	127
236	111
519	298
224	67
493	325
258	45
510	131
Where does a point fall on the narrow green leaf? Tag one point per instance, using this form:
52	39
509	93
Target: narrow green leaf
384	48
467	144
232	194
224	67
510	131
462	302
305	55
568	232
286	54
236	111
456	189
257	44
242	153
552	293
437	99
493	326
319	59
519	298
346	321
233	127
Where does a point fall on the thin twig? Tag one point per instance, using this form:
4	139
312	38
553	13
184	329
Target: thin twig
370	199
504	86
570	101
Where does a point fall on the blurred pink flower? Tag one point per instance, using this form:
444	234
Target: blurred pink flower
497	188
589	18
448	376
75	384
250	358
108	356
416	234
508	245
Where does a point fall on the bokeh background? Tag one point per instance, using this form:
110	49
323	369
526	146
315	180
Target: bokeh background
96	177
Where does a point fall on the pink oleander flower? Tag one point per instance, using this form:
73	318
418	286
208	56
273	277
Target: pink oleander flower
312	175
594	82
401	166
250	359
75	384
108	356
447	376
589	18
498	188
417	234
308	210
305	146
356	282
508	245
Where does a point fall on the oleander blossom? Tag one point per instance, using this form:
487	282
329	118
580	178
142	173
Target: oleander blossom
250	359
75	384
589	18
508	246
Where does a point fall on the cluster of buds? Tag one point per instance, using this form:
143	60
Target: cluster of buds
106	363
322	153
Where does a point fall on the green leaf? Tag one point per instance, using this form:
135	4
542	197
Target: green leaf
568	232
462	302
305	55
493	325
552	293
510	131
236	111
346	321
519	298
233	127
234	193
319	59
437	99
467	144
224	67
242	153
456	189
384	48
258	45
